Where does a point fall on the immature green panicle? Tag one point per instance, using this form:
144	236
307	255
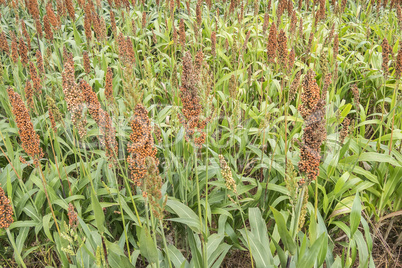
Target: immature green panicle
227	174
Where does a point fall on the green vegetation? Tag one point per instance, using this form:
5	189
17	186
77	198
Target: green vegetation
200	133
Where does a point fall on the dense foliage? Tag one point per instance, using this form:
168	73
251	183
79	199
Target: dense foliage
200	133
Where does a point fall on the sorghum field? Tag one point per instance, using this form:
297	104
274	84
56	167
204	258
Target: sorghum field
190	133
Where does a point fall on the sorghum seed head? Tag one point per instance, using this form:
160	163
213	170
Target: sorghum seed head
48	29
385	56
70	9
35	79
398	67
14	48
282	48
38	26
3	43
108	85
29	94
336	46
182	33
39	63
356	96
291	60
26	35
213	43
144	19
142	144
113	22
272	43
29	138
23	51
313	112
87	62
72	216
74	98
6	211
345	130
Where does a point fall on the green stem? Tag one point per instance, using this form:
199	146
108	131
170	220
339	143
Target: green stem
245	228
122	215
204	249
164	243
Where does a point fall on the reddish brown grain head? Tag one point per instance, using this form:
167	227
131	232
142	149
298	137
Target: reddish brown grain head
213	43
144	19
282	48
70	8
198	12
398	66
91	100
182	33
113	22
29	139
86	61
122	47
291	61
38	27
266	22
272	43
3	43
14	48
53	19
109	85
87	27
26	35
141	145
39	63
97	26
61	8
192	109
72	216
327	83
174	35
74	98
356	95
313	112
35	79
153	187
6	211
29	94
293	23
130	51
107	136
385	56
294	86
33	8
48	29
246	40
336	47
345	130
23	51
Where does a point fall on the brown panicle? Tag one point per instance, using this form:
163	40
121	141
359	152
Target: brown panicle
6	211
313	112
272	43
30	140
108	85
142	144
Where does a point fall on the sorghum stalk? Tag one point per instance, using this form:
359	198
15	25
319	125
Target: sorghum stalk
398	72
